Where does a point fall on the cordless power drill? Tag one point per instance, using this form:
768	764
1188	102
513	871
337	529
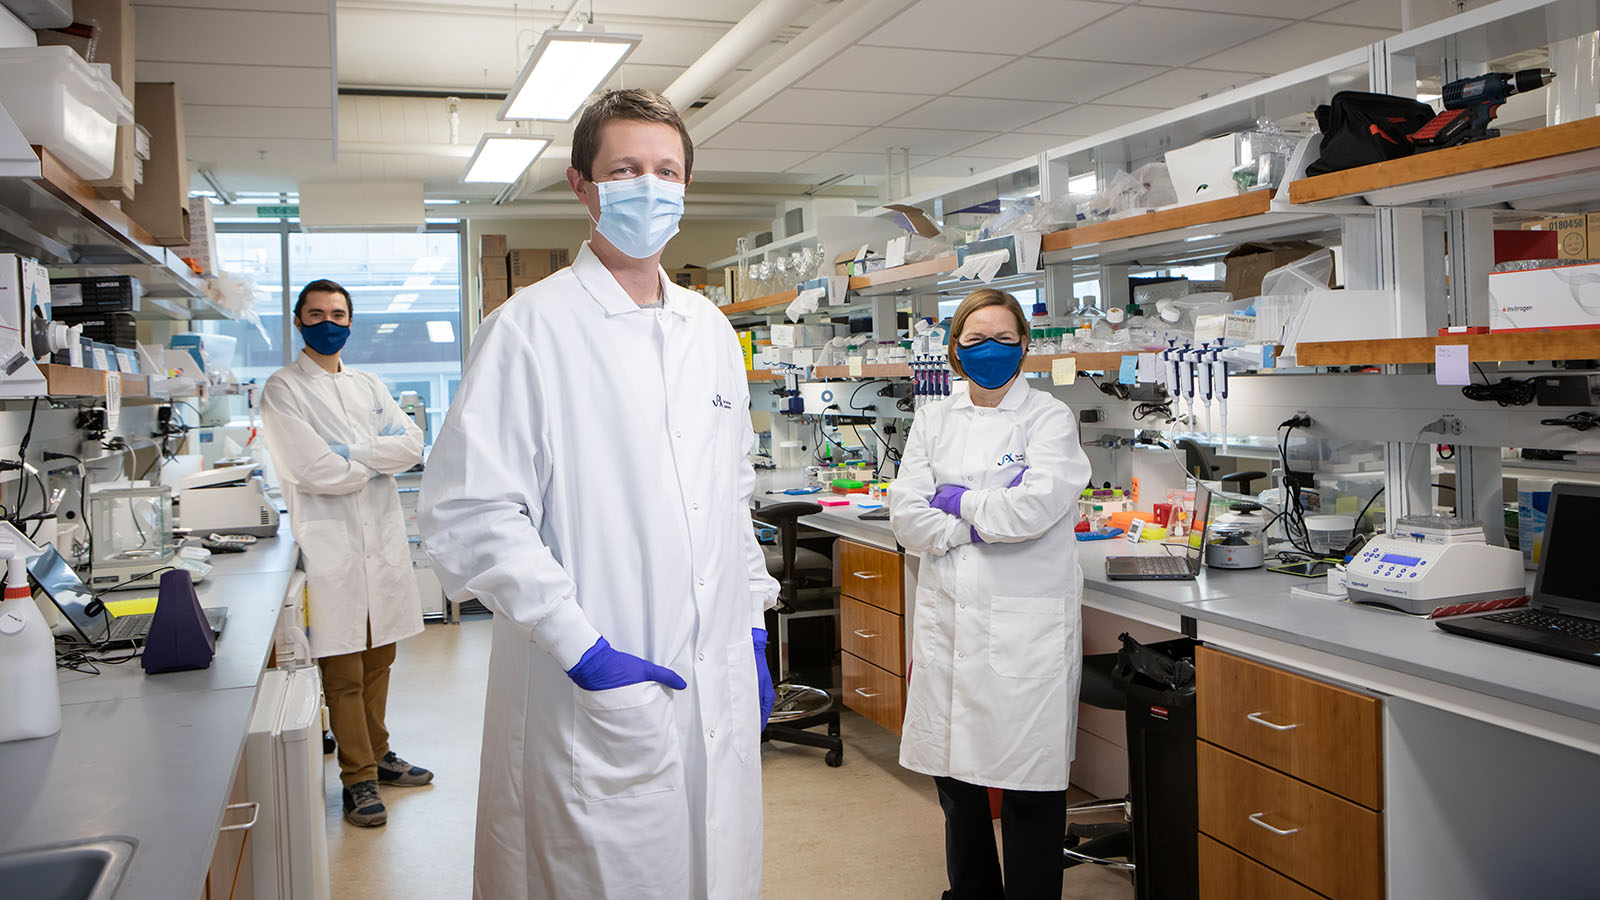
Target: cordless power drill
1471	104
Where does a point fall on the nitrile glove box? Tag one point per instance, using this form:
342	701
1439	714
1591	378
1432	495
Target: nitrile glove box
1550	297
1024	247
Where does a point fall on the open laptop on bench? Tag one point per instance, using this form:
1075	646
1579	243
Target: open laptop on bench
1169	568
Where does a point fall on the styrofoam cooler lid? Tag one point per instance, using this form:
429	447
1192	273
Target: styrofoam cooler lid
92	82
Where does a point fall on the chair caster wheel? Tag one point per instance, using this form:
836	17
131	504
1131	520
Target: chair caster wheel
834	759
328	746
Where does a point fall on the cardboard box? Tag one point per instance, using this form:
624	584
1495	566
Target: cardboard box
491	245
1572	234
202	246
1553	297
732	283
531	266
161	205
496	291
1247	264
1592	233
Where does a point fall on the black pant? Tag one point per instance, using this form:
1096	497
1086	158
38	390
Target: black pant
1032	825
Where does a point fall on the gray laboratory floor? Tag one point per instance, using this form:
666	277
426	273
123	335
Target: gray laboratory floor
868	829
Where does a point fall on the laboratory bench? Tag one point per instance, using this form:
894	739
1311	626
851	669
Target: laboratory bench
1477	766
155	758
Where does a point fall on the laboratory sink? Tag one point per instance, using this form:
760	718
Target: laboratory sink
82	870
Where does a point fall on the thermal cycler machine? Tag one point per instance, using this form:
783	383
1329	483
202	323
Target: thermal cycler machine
229	500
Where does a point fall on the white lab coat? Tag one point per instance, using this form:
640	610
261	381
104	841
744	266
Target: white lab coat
345	513
591	479
996	653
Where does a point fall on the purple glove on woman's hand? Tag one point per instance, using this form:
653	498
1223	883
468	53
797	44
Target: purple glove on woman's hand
947	499
1018	480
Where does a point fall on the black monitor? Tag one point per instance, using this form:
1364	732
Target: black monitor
1565	580
70	595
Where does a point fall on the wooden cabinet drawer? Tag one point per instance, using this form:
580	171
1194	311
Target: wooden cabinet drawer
1316	732
1226	874
1325	842
875	693
870	575
873	634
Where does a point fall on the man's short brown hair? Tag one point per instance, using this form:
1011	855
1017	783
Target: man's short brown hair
634	103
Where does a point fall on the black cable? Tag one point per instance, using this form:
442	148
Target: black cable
1293	506
1507	392
1363	514
22	458
1579	421
1146	410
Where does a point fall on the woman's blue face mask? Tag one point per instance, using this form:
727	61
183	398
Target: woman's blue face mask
990	363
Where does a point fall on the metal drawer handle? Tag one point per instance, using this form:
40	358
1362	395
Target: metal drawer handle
867	575
866	634
1256	818
255	813
867	694
1256	718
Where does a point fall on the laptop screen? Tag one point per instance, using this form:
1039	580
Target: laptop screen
1203	499
70	595
1565	578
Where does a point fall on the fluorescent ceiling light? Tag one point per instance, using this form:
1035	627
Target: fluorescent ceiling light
502	158
565	68
441	332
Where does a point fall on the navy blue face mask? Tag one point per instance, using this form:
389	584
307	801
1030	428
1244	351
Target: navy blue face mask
990	363
327	337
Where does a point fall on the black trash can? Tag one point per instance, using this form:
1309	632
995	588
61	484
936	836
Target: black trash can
1159	682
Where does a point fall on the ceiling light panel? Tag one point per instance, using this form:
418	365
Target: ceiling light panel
502	158
565	69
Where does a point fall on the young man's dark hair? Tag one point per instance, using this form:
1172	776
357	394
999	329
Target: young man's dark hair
637	104
323	285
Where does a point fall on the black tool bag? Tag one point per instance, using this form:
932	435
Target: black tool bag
1359	129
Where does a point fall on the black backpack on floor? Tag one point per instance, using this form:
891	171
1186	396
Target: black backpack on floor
1359	129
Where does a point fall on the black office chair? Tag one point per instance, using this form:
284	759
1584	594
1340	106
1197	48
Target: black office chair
1107	844
1199	464
805	591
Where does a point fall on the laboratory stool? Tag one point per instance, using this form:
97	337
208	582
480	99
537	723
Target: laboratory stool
804	591
1158	843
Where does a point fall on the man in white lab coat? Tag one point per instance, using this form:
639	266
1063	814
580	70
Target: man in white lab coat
338	439
590	486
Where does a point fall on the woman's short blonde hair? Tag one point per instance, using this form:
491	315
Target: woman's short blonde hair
978	299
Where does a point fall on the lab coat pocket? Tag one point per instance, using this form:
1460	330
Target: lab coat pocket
325	546
744	706
1027	636
625	743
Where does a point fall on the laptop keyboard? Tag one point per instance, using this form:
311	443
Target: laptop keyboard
1160	565
1572	626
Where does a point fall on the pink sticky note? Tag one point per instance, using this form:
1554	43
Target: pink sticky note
1450	364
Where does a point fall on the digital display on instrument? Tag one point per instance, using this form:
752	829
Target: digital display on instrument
1399	560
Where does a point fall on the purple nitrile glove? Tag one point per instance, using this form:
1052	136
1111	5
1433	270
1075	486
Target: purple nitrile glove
603	668
766	694
1018	480
947	499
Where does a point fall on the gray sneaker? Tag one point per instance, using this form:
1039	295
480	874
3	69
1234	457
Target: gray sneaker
396	772
362	805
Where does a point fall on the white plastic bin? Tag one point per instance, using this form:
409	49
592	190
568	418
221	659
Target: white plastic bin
66	105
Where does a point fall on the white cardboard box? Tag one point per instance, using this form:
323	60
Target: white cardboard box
1545	298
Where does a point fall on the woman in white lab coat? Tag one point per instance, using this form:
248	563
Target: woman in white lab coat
987	496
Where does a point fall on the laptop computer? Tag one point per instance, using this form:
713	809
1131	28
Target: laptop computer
1563	618
82	609
1169	568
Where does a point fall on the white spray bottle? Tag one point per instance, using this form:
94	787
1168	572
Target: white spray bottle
30	697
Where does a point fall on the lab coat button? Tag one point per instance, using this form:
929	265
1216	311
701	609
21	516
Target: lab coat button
712	734
702	582
969	477
961	656
694	506
677	434
701	657
961	605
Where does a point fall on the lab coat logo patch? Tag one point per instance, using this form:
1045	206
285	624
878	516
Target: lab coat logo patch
719	402
1010	458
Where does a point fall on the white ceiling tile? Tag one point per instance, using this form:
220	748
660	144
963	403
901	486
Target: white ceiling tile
1170	37
224	85
712	160
1090	118
1177	87
304	6
1295	46
1014	146
766	135
921	141
168	34
1000	26
1281	9
264	122
975	113
1371	13
835	107
279	151
830	164
1056	80
900	71
958	166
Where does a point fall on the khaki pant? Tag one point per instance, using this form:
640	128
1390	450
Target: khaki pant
356	687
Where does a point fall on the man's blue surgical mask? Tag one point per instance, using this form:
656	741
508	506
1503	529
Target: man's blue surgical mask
639	215
990	363
327	337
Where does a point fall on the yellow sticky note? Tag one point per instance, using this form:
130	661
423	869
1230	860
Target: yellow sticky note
137	606
1064	371
855	366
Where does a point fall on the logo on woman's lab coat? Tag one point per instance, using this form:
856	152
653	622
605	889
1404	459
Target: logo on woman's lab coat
1010	458
721	403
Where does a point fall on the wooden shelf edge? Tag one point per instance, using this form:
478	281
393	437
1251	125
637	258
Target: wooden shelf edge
1250	203
942	265
68	381
1542	143
1557	344
759	304
762	375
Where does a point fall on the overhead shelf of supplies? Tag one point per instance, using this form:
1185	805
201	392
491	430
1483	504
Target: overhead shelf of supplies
69	381
1555	168
759	306
1085	362
59	218
1513	346
1182	233
912	278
